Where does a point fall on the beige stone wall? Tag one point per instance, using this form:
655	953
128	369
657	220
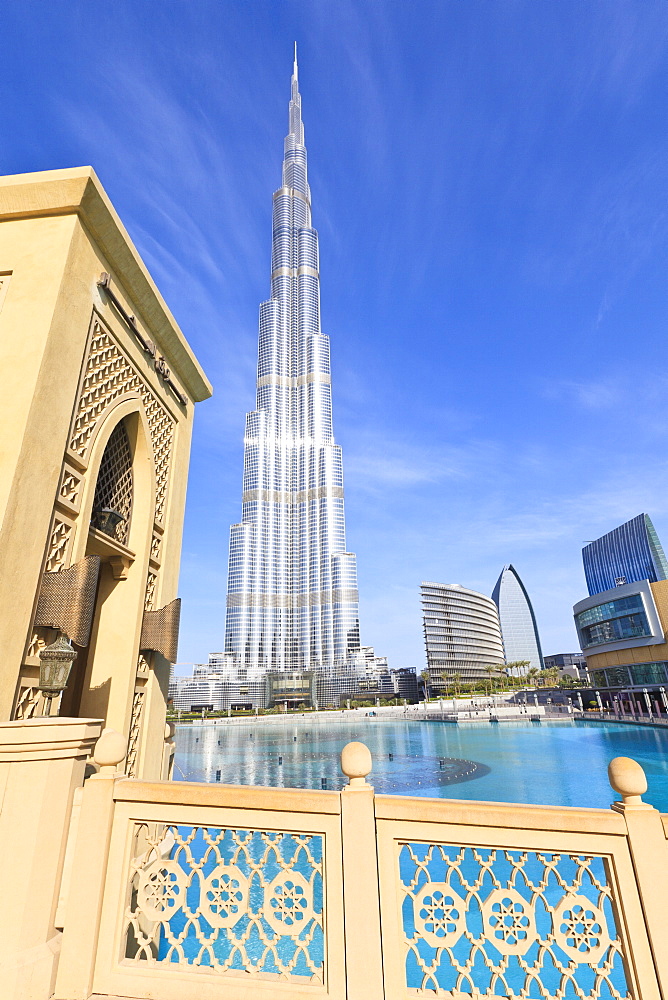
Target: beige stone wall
73	369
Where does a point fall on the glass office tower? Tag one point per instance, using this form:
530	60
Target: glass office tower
518	621
292	605
627	554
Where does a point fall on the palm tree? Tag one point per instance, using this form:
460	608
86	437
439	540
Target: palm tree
518	667
552	674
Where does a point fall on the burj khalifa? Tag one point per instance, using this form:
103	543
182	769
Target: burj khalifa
292	601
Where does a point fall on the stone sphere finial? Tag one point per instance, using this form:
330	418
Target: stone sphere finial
110	750
356	763
628	778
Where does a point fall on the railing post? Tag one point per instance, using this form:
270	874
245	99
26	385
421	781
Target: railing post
649	853
42	763
361	897
89	868
168	751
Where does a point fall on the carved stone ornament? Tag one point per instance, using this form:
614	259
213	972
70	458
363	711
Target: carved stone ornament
160	630
109	377
67	599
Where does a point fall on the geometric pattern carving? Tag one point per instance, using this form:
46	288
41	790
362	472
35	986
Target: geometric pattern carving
40	638
581	927
290	903
29	703
226	900
160	890
135	732
439	914
224	896
70	487
149	596
160	630
109	376
509	921
58	544
156	545
113	488
498	922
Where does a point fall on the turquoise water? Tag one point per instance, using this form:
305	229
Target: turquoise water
552	763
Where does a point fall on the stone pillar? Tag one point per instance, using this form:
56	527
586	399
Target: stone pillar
361	900
168	752
649	853
90	855
42	761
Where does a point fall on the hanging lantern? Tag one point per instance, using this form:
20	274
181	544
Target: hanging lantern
55	663
107	520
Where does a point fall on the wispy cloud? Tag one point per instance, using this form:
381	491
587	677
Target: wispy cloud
588	394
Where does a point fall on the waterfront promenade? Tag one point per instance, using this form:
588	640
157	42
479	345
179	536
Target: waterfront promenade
494	708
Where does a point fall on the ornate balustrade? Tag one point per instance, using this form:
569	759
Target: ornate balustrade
180	891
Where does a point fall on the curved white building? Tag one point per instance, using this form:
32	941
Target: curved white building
462	633
292	604
521	641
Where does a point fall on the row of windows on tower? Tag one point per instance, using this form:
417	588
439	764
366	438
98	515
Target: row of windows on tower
309	355
289	211
280	480
293	245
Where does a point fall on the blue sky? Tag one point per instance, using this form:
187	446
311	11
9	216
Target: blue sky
489	185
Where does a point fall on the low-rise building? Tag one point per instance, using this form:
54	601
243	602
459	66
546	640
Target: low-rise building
623	635
405	683
569	665
220	685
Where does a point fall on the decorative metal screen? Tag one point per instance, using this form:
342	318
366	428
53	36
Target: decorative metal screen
67	599
497	922
114	482
160	630
222	900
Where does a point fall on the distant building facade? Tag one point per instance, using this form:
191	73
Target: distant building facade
220	685
623	634
212	686
405	683
462	634
568	664
627	554
519	630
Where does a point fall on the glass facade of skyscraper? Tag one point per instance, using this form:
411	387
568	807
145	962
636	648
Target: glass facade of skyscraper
627	554
521	641
292	601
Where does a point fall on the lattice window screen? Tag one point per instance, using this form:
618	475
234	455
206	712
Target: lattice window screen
114	481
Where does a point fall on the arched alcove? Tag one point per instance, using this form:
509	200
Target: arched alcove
120	481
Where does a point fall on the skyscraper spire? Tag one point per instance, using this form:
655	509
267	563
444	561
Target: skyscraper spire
295	73
292	587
